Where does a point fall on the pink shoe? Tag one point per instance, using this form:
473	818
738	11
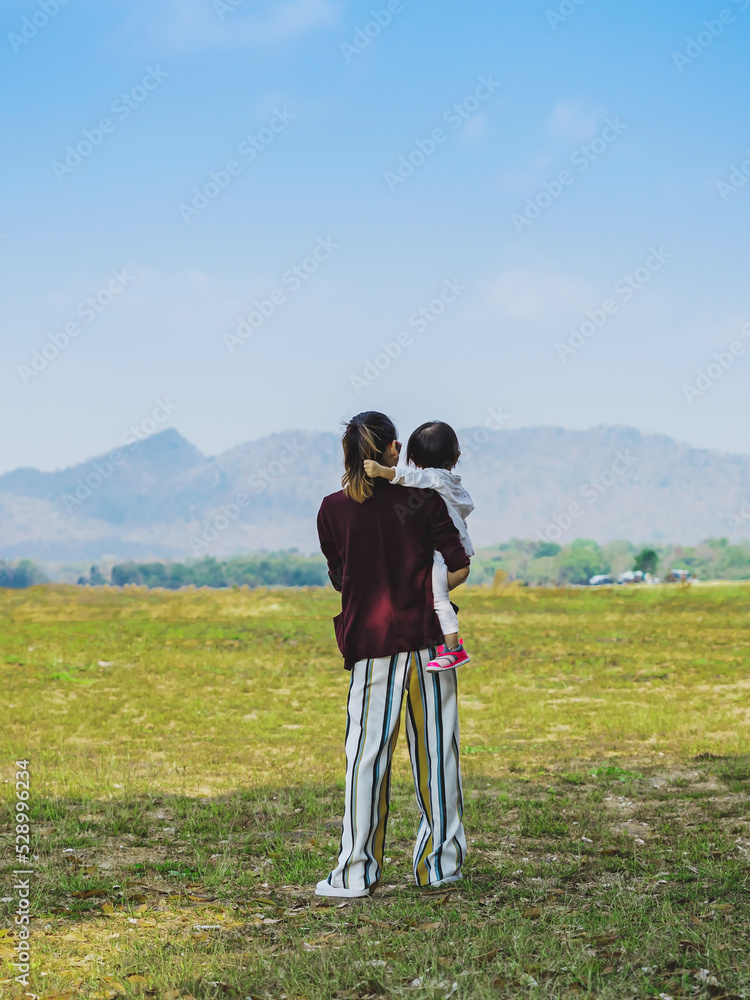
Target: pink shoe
448	659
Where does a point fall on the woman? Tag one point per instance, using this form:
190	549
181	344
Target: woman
379	544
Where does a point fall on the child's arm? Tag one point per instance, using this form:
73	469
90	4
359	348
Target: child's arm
374	470
422	479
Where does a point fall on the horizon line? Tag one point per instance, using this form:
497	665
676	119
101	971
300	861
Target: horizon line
506	429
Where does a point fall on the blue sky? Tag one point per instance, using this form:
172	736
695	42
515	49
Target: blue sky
316	124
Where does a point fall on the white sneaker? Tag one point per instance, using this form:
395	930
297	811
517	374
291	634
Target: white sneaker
324	888
446	881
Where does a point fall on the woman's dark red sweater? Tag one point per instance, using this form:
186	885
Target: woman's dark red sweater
380	556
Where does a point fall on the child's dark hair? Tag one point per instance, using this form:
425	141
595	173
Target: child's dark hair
434	445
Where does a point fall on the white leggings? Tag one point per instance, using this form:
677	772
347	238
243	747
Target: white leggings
443	608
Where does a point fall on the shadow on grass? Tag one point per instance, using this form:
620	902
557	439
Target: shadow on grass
587	881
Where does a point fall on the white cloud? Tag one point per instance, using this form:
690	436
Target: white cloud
474	128
296	17
542	161
532	297
575	121
571	122
188	25
512	181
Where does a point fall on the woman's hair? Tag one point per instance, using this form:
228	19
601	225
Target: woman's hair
434	445
366	436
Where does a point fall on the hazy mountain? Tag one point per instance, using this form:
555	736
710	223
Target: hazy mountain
163	498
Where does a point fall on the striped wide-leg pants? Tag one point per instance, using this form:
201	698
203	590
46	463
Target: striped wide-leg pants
376	695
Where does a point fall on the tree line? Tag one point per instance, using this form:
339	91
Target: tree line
539	563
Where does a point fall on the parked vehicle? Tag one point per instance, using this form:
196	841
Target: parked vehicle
679	575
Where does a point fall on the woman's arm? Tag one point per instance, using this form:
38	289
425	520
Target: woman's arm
457	577
330	551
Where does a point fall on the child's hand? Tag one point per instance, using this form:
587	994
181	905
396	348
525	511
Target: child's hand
372	468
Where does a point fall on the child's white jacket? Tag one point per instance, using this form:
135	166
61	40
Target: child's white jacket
449	486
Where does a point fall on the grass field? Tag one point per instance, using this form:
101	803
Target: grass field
186	788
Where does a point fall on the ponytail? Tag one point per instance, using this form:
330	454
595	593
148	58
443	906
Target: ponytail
366	436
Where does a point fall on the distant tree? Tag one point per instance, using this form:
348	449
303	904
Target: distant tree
155	574
647	561
717	543
544	549
23	574
285	569
94	579
580	562
126	573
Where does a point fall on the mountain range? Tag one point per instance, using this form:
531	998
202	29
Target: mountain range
161	498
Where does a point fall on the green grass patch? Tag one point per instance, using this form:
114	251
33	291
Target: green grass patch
186	798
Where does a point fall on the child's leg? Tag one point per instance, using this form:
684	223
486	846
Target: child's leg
453	654
443	607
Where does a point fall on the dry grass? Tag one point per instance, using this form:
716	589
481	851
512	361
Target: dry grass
186	768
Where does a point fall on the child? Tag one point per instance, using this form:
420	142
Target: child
431	454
